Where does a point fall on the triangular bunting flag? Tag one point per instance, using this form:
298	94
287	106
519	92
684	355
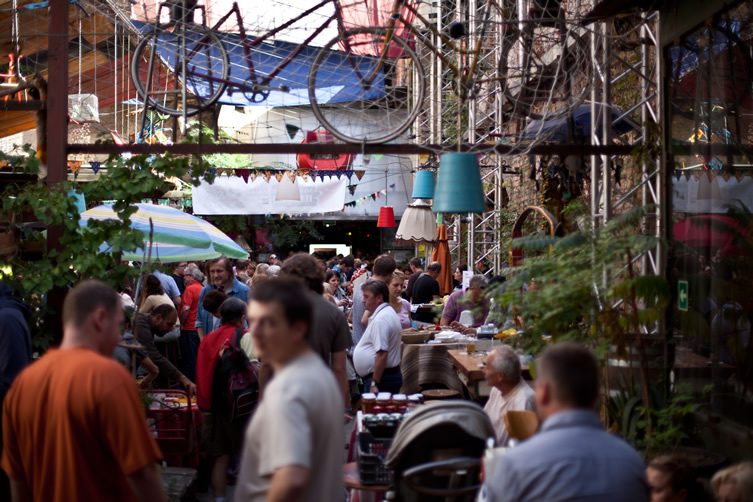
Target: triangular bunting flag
95	166
243	173
74	166
278	177
359	174
352	189
292	130
348	173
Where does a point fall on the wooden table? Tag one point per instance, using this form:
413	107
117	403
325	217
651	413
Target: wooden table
470	371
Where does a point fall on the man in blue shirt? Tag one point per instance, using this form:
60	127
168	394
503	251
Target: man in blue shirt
221	277
169	285
572	457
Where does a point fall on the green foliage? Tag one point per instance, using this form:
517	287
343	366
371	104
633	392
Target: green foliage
559	292
672	419
76	255
584	287
202	134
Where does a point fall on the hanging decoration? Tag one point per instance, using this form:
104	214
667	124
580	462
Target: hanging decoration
243	173
324	161
386	213
366	198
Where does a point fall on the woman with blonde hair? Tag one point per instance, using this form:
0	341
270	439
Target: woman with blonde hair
260	274
734	484
400	304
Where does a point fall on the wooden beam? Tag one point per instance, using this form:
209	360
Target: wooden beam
313	148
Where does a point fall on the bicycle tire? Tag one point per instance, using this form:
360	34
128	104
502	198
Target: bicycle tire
204	89
525	85
363	116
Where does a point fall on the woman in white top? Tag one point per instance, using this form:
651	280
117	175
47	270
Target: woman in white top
400	304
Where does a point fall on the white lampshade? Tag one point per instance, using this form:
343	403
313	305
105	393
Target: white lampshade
287	190
418	223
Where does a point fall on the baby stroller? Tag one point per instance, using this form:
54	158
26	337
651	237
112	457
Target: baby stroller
436	453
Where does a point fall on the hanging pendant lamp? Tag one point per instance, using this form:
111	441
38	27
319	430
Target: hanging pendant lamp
386	217
418	223
423	185
459	188
386	213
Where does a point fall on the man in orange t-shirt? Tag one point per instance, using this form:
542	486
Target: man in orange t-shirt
74	426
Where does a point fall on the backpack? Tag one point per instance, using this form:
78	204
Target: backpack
236	385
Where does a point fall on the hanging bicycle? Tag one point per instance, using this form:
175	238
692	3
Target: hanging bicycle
177	85
359	84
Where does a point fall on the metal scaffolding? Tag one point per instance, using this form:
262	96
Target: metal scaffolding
612	66
485	125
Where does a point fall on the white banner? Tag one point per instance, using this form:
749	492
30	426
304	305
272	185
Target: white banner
710	194
232	195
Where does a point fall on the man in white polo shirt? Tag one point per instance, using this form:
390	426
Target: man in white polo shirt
377	355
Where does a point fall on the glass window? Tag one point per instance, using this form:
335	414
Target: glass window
710	73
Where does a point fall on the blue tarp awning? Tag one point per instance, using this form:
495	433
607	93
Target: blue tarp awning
337	80
555	129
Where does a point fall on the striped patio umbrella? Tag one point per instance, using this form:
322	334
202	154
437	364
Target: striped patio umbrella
177	236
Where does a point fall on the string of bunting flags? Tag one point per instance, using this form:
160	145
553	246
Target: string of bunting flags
267	173
374	196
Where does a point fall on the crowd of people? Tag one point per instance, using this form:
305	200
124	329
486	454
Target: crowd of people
74	425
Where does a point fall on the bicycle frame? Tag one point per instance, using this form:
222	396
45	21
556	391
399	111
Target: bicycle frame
250	44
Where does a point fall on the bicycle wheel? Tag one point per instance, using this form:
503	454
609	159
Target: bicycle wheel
158	75
361	98
542	71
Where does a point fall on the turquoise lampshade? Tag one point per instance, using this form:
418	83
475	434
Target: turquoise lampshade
423	185
458	187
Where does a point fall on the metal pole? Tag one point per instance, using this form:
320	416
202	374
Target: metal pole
606	125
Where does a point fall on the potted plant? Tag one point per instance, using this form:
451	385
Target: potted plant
586	287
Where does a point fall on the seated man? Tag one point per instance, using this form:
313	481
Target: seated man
572	457
509	391
473	300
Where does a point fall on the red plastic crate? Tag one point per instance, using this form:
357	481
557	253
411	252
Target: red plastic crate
175	427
